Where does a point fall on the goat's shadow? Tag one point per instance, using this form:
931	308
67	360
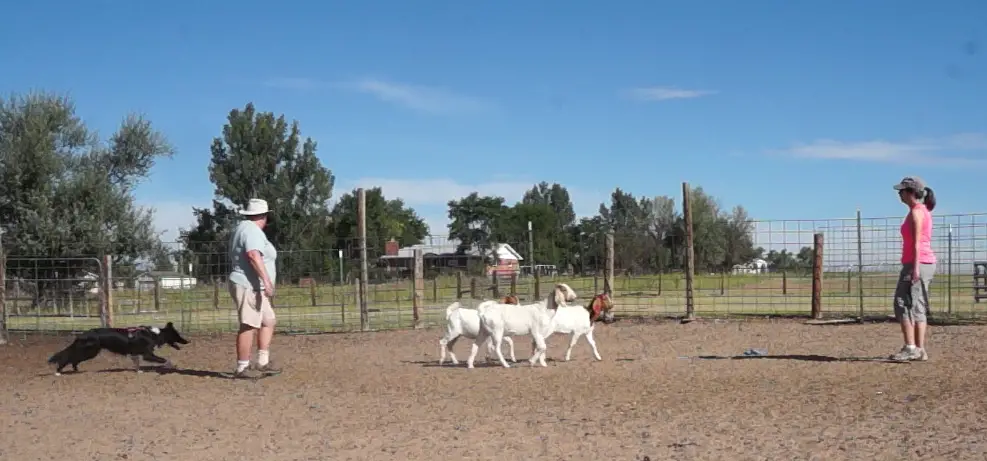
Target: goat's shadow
478	363
799	357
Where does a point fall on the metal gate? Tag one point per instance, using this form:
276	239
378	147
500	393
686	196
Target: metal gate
53	294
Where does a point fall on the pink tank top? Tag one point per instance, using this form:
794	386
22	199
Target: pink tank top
925	253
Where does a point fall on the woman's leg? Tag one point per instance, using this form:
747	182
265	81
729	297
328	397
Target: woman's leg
920	297
905	312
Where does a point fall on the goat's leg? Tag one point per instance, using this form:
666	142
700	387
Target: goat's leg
481	337
592	343
445	346
573	339
540	350
510	343
498	337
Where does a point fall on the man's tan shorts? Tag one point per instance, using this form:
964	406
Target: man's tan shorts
252	308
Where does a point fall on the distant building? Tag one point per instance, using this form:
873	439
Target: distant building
502	258
167	280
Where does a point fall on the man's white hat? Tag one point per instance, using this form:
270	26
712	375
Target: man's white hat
255	207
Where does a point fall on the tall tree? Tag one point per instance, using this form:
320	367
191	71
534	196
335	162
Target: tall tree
474	220
386	220
64	193
262	156
738	239
550	210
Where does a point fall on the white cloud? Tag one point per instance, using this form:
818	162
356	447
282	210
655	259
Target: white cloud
294	83
419	98
664	93
170	217
959	149
430	196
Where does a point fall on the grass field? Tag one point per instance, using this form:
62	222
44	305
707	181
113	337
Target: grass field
335	308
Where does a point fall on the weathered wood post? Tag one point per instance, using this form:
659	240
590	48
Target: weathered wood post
817	275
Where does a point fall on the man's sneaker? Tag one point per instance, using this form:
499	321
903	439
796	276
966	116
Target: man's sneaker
270	369
247	373
905	355
923	355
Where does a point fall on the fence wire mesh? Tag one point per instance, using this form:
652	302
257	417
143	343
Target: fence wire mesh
318	291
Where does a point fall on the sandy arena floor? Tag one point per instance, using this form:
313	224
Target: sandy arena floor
380	396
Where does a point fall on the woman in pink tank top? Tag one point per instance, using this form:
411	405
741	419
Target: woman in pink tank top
918	264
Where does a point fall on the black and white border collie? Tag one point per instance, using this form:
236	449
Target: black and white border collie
135	342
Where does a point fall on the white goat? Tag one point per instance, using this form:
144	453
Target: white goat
498	320
578	321
462	321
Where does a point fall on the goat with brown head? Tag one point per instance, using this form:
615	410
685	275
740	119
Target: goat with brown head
601	308
510	299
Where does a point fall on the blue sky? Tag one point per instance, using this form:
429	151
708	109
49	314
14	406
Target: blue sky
792	109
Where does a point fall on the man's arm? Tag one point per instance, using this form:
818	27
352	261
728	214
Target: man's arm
254	244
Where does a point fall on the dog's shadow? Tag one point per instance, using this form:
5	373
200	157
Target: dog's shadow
799	357
167	371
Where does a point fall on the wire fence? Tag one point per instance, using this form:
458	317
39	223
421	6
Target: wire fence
320	290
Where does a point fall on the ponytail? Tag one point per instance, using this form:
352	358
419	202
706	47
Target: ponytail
930	199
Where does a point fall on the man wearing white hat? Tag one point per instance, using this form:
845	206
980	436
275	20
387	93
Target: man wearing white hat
251	285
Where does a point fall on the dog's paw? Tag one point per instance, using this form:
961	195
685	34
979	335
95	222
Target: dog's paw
58	374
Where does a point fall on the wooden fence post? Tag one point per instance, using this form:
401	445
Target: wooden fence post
435	289
312	291
537	285
3	295
472	287
817	275
419	295
495	283
459	285
690	255
107	314
356	298
157	294
784	282
608	268
361	225
514	283
215	293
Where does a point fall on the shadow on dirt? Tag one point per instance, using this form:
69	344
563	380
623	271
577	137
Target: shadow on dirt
799	357
178	371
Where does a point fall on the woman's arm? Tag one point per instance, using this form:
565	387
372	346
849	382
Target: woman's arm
917	219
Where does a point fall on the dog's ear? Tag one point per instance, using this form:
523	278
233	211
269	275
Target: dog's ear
169	325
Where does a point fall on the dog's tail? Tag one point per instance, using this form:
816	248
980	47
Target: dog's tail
452	308
63	354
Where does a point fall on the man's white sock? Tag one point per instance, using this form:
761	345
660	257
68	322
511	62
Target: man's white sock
263	357
242	365
910	347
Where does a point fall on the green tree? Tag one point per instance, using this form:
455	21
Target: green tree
550	210
64	193
386	220
474	220
262	156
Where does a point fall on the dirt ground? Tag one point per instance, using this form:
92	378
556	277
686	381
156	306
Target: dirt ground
379	396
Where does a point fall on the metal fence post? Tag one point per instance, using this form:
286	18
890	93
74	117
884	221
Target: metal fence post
949	270
860	267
